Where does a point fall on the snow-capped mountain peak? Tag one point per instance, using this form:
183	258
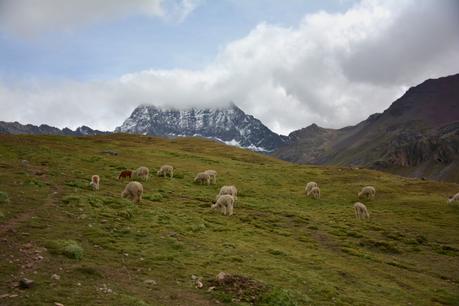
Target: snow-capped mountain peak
227	124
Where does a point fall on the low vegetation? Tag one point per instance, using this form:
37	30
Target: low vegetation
86	247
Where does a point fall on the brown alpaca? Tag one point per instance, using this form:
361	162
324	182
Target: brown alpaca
124	174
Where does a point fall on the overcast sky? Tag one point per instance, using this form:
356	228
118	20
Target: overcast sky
289	63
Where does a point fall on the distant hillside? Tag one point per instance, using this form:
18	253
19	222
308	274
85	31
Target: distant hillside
418	135
17	128
227	124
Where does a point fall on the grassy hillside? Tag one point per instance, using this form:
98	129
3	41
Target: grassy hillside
284	248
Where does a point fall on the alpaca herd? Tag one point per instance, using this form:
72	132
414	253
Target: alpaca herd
226	199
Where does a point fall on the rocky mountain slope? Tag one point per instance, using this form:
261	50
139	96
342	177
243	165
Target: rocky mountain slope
17	128
418	135
227	124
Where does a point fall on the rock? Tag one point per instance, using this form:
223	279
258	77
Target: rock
221	276
26	283
199	284
110	152
55	277
58	304
150	282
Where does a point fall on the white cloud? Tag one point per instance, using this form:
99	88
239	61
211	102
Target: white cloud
331	69
30	18
178	11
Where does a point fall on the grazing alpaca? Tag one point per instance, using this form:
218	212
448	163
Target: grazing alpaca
231	190
95	180
361	211
369	192
315	193
225	203
142	172
213	175
309	186
133	191
166	170
125	174
202	178
453	198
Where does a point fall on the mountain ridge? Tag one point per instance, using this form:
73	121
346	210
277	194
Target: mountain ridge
418	135
17	128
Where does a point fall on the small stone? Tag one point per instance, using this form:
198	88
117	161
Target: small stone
55	277
221	276
211	289
199	284
126	254
78	284
58	304
26	283
39	257
150	282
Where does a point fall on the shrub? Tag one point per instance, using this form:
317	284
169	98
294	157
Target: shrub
157	197
279	297
69	248
4	197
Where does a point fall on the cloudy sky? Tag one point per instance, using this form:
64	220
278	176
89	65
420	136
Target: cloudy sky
289	63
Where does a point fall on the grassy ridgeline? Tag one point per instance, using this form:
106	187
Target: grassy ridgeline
297	250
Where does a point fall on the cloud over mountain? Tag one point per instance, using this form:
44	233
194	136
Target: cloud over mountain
332	68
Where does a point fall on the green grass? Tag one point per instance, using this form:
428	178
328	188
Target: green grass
69	248
292	249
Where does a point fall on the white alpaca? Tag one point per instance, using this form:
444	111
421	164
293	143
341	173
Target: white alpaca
453	198
309	186
225	203
202	178
369	192
361	211
133	191
95	180
315	193
166	170
142	172
213	175
231	190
